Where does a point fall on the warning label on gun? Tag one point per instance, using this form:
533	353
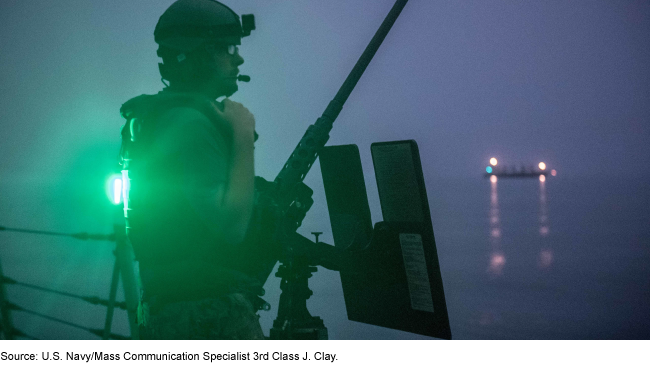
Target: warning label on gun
416	271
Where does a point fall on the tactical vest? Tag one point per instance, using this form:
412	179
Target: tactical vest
169	254
146	185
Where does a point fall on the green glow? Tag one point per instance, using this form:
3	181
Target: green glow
114	188
117	191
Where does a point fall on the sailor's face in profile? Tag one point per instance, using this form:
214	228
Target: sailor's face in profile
225	60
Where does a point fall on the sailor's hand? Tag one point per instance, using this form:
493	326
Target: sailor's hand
238	117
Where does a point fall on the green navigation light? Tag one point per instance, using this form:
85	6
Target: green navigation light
488	169
114	188
117	191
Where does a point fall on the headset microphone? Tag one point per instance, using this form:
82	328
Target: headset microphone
243	78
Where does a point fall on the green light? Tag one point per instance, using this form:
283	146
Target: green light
114	188
117	191
488	169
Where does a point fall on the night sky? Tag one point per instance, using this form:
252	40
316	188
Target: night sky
565	82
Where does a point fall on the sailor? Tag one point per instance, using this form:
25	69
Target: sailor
188	163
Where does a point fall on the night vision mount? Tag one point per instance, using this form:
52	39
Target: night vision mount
247	24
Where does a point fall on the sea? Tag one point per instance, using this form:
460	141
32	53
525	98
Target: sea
567	258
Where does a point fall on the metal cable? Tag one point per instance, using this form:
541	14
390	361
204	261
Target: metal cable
80	236
89	299
95	331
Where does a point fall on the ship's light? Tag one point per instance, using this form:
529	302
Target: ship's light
114	189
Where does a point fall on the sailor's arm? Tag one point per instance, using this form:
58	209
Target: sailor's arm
236	202
214	167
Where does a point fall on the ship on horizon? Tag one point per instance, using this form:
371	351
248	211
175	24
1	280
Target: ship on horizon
493	172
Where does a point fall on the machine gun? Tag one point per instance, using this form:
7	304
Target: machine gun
285	202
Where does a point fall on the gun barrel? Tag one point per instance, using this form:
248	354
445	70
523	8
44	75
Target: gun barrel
367	55
316	136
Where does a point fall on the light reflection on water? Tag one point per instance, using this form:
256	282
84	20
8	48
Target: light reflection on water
545	258
497	258
546	253
556	259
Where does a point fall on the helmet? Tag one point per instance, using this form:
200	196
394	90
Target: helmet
188	24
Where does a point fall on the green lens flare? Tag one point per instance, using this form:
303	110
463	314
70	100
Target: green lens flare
117	191
114	188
